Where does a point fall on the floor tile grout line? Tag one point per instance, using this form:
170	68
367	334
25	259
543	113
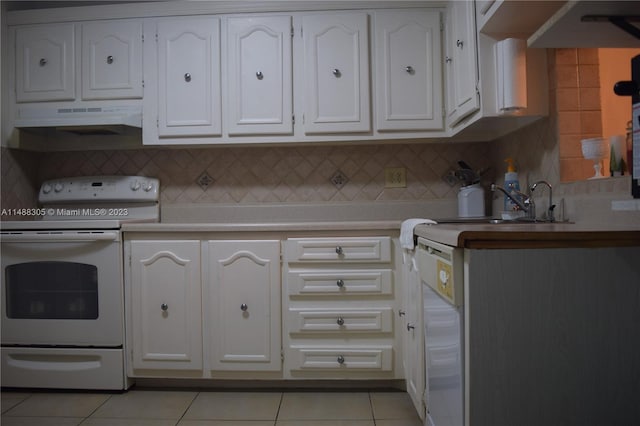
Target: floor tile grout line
275	421
187	409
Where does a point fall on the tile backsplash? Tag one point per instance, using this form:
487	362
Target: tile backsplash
250	175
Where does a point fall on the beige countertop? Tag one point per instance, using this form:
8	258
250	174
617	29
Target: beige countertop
523	235
380	225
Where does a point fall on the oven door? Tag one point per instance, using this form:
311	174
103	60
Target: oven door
62	288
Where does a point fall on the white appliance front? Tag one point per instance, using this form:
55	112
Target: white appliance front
62	288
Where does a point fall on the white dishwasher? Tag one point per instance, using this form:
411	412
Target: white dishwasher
441	273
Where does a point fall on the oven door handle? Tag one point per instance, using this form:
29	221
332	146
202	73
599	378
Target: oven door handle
66	237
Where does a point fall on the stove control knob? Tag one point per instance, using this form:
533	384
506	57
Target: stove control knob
148	186
58	187
135	185
46	188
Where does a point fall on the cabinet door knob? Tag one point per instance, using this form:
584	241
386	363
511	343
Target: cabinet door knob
401	313
43	62
410	327
337	73
340	359
164	307
244	307
259	75
187	77
109	59
459	43
340	283
339	250
409	69
340	321
447	59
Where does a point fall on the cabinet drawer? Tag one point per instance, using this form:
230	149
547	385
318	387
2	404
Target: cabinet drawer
357	249
342	358
309	283
341	320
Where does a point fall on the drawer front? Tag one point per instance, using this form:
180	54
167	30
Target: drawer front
356	249
360	282
377	320
342	358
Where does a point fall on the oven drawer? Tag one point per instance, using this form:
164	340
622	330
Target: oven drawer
340	282
373	320
341	250
63	368
342	358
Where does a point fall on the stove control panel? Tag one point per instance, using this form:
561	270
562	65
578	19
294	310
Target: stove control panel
102	189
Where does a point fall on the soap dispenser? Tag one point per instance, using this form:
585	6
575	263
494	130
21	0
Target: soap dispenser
511	185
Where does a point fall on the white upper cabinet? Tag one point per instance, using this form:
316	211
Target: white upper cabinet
461	62
336	73
45	63
408	70
259	76
112	60
189	77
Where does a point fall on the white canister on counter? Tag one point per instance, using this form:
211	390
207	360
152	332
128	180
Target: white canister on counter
471	201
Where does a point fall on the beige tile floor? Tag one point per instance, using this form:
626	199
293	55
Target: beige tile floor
215	408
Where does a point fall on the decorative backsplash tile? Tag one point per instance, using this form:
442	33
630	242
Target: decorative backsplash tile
250	175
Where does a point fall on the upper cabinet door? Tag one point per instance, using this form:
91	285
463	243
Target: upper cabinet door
189	77
112	60
45	63
260	99
408	70
462	62
336	73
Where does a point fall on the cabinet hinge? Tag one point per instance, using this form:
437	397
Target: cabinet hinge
293	31
301	32
158	123
293	121
281	355
156	37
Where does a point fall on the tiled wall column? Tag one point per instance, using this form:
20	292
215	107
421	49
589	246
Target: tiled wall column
577	97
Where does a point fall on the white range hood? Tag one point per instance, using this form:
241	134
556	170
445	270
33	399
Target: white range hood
591	24
101	120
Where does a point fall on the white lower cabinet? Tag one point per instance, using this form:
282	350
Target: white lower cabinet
243	305
166	320
339	308
203	308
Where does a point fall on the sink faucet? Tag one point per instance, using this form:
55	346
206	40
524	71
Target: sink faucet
526	204
551	206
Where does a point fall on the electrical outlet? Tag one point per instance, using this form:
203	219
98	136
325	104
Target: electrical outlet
395	177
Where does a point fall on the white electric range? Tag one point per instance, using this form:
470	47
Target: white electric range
62	283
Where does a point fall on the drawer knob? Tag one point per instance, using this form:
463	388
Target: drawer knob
244	307
340	321
410	327
336	72
409	69
187	77
340	283
43	62
339	250
259	75
164	307
401	313
109	59
340	359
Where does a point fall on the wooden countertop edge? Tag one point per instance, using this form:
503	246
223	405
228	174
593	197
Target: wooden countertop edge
523	239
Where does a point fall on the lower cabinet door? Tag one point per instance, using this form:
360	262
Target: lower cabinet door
243	300
166	319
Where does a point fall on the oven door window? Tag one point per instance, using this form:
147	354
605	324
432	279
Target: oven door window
52	290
